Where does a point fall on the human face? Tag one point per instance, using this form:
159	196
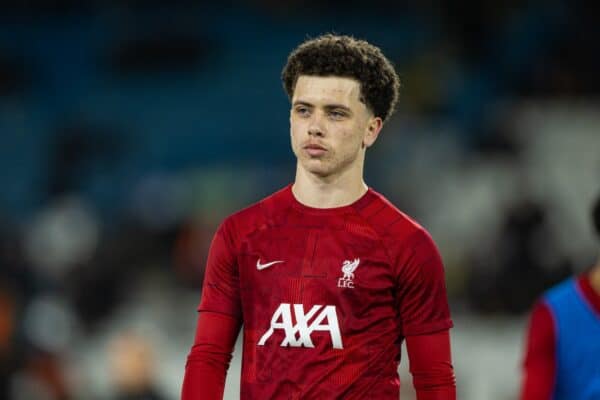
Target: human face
330	126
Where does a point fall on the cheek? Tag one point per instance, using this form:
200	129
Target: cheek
351	138
295	127
295	138
294	134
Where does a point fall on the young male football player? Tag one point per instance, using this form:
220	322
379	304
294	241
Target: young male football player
326	277
563	342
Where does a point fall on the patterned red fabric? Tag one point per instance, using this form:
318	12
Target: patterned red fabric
326	296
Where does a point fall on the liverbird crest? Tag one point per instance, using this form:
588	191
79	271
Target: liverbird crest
348	268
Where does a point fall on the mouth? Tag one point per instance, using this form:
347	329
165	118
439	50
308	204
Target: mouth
314	150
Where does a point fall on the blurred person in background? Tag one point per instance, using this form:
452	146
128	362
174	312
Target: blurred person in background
327	277
132	368
563	342
7	330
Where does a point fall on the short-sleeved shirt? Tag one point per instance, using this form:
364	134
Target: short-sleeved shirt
326	296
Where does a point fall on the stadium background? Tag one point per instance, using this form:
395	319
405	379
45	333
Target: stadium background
129	129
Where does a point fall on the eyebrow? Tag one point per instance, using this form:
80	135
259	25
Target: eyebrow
301	103
327	106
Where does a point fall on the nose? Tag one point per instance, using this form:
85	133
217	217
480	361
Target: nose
315	128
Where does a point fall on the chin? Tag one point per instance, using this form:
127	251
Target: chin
319	170
320	173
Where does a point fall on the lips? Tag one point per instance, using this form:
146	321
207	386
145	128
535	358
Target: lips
315	150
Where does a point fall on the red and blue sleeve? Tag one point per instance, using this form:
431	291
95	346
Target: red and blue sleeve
539	366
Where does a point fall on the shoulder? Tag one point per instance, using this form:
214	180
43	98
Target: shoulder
405	241
259	215
560	291
392	224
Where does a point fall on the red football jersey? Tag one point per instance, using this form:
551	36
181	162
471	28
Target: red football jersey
326	296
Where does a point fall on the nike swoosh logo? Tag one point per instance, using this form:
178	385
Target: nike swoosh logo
260	266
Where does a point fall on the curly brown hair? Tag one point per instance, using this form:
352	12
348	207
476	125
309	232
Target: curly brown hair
345	56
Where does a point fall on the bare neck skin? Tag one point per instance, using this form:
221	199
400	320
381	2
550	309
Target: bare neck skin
595	277
331	191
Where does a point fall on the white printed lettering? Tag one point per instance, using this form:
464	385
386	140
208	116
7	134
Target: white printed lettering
298	335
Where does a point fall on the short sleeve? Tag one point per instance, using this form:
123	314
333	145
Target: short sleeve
220	291
421	287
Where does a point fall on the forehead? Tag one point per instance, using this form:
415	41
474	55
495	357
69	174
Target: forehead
317	89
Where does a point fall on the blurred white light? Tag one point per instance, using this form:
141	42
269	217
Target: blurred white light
49	323
64	234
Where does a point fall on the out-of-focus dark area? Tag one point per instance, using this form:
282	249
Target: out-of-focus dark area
129	129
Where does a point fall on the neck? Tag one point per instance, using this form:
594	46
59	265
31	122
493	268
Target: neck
595	277
328	192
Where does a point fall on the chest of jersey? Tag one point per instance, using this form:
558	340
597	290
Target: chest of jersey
307	269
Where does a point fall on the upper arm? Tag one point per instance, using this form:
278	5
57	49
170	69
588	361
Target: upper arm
220	291
421	287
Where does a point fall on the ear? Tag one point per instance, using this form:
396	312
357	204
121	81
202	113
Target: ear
374	126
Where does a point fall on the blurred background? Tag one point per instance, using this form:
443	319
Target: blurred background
129	129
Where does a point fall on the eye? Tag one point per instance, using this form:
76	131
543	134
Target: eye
336	114
302	111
